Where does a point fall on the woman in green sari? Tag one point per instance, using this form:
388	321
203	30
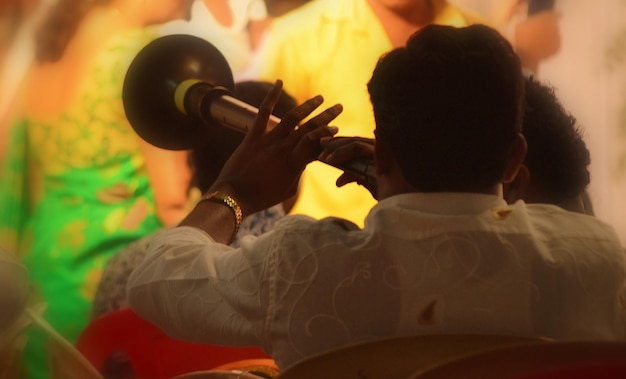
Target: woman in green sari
78	185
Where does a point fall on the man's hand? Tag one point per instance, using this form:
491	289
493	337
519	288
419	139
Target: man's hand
339	150
266	167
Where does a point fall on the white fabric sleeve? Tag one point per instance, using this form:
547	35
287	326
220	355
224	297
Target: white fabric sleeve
201	291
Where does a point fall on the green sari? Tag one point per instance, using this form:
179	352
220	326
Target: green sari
74	192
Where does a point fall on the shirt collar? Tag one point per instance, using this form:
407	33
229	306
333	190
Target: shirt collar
445	203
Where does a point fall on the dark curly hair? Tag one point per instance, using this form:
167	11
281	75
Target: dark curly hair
557	156
450	106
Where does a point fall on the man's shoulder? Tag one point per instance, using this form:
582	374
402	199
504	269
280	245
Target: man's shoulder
555	222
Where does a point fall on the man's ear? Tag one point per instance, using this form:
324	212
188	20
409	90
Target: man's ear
385	160
517	188
515	159
389	176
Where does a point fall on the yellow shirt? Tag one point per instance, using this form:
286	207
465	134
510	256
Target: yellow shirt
331	47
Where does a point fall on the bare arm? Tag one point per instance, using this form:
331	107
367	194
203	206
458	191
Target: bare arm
535	37
170	177
256	30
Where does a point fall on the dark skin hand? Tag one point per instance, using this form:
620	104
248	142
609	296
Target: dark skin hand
338	150
265	168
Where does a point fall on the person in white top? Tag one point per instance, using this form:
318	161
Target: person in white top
441	252
234	27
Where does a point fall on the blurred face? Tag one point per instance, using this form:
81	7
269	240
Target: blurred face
168	10
402	6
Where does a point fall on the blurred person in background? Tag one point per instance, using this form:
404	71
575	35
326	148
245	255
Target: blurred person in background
533	26
14	289
234	27
18	21
78	183
556	167
276	8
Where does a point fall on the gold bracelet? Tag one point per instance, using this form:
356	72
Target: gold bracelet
222	198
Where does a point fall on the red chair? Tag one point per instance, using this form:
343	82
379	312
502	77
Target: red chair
130	343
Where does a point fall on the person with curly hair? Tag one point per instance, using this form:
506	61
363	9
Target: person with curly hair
556	167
